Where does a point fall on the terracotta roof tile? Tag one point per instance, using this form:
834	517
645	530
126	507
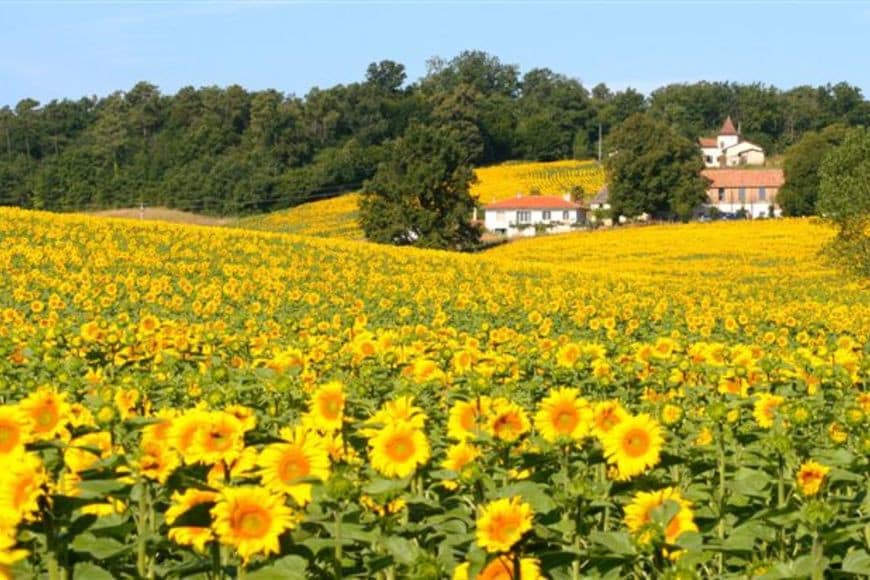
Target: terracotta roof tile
728	127
534	202
707	141
744	177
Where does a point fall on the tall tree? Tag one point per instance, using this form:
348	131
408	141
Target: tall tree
651	169
802	163
419	195
844	199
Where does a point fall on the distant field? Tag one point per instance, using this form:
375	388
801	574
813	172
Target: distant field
164	214
331	218
553	178
336	217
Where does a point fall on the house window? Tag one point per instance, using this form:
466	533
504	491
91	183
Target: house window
566	216
721	194
524	216
545	215
741	194
709	159
762	194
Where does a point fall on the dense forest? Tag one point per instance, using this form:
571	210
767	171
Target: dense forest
229	151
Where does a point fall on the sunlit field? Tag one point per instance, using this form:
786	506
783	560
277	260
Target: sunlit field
669	401
337	217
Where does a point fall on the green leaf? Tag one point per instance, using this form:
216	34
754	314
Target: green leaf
99	488
99	548
618	543
535	494
286	568
379	486
401	549
88	571
750	482
857	562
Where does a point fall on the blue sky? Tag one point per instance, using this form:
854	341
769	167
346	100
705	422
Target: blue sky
70	49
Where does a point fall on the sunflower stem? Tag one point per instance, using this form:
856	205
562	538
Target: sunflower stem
721	525
142	526
338	548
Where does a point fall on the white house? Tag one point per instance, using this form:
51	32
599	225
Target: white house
526	215
727	149
749	191
601	204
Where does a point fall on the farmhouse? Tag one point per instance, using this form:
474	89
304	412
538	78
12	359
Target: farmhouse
599	207
527	215
728	149
751	190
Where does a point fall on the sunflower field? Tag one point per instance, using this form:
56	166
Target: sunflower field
497	182
661	402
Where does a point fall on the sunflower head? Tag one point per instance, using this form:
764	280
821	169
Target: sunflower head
502	523
633	445
15	430
810	477
398	449
563	415
250	519
326	407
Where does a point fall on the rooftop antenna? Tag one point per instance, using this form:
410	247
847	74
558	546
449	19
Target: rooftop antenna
599	142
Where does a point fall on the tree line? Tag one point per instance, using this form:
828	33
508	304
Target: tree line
232	151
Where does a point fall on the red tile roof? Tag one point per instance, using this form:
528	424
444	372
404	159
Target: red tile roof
728	127
534	202
707	141
744	177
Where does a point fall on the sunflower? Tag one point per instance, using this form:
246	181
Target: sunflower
326	407
183	433
466	419
14	430
82	452
811	476
503	567
639	514
157	461
633	445
397	450
459	457
125	400
251	519
764	410
284	464
195	536
502	523
507	420
9	555
21	486
563	415
47	410
244	465
568	354
244	414
400	410
605	415
221	439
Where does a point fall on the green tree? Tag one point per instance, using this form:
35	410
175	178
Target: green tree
802	162
419	195
651	169
844	199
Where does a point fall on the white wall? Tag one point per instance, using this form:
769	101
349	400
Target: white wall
507	220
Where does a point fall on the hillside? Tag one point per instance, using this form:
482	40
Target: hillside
336	217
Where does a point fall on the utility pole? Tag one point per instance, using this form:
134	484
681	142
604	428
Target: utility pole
599	142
